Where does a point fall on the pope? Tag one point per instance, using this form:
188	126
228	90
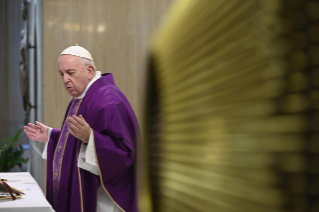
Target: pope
91	159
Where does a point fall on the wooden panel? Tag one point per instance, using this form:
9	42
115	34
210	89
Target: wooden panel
233	108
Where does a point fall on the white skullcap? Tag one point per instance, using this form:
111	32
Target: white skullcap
78	51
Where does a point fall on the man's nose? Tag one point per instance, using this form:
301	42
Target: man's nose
66	78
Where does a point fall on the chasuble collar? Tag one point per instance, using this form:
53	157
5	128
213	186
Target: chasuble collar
96	77
104	80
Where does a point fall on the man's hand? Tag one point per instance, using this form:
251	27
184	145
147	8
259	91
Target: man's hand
79	128
37	132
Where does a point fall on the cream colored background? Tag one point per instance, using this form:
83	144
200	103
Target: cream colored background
115	32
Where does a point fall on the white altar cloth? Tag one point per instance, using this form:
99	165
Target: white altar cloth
33	201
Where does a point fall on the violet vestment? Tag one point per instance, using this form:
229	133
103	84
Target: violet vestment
115	131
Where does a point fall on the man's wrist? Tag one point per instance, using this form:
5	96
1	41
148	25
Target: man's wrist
86	140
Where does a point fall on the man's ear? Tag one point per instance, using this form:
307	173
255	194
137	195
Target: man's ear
91	70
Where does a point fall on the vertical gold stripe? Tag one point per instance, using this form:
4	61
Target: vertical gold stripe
54	200
66	140
62	154
101	175
80	182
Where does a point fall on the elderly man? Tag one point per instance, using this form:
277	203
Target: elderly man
90	159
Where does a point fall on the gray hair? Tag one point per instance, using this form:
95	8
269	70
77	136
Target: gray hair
87	62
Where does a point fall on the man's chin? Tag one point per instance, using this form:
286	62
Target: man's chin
74	95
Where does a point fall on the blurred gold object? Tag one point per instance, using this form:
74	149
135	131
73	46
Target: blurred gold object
232	109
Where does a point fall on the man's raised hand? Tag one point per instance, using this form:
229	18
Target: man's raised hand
79	128
38	132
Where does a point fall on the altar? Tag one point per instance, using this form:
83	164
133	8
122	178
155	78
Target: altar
33	201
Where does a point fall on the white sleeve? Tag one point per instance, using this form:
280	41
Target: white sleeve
86	159
45	151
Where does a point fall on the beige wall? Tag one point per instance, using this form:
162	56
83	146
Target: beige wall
115	32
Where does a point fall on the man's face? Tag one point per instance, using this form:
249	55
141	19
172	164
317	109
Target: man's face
75	75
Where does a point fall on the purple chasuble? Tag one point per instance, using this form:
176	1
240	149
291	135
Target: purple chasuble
115	131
